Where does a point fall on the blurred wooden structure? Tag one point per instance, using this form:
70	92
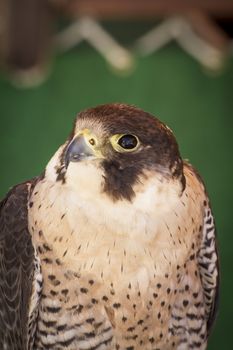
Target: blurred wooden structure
200	13
190	22
26	34
139	9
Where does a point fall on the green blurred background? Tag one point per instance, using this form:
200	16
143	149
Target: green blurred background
169	84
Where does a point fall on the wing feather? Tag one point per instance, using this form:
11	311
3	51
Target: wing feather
208	260
17	268
209	267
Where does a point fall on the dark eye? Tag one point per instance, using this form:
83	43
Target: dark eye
128	141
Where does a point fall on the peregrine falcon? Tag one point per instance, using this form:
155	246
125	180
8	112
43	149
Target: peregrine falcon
112	247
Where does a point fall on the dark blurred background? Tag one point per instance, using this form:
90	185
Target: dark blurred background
171	58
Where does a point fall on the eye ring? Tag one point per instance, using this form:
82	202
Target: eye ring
124	143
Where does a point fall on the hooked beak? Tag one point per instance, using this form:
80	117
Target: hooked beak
78	150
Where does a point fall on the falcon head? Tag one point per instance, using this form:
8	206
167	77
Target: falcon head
113	149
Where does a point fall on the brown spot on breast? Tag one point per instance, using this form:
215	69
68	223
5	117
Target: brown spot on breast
94	301
124	319
53	293
116	305
90	320
84	290
58	262
130	329
64	291
46	247
64	254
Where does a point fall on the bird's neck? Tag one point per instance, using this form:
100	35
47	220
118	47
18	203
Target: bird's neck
99	235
